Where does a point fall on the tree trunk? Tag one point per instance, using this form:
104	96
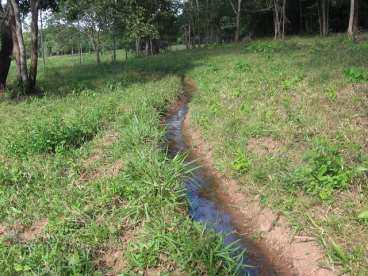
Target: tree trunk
237	31
356	17
190	37
283	19
5	58
98	50
137	46
198	24
34	45
147	48
42	40
301	26
16	53
5	52
237	11
113	47
279	18
20	44
351	19
324	12
80	42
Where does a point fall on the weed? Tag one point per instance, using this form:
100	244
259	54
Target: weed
241	163
292	83
331	94
356	74
242	67
325	171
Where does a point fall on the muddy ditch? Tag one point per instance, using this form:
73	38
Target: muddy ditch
215	200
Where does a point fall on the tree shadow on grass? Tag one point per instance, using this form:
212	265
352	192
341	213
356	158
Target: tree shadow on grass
63	80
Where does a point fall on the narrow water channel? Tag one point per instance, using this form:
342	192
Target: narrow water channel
204	204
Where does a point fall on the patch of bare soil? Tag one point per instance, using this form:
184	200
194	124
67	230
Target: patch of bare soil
27	234
108	170
290	255
2	230
90	173
360	121
263	146
111	259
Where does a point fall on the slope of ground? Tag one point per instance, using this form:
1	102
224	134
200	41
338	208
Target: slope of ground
85	187
288	120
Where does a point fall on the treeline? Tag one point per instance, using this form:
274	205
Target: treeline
208	21
30	28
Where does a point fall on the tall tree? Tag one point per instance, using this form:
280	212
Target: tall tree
19	41
279	18
237	11
6	47
34	8
351	19
324	14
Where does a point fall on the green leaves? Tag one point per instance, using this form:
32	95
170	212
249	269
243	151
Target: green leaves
241	163
356	74
324	172
363	215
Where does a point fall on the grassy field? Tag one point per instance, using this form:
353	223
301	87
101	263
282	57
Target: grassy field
85	187
289	120
84	184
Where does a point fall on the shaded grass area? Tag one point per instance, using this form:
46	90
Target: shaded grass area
289	121
84	186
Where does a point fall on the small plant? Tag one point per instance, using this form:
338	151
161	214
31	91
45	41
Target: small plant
291	83
241	163
356	75
323	173
245	108
237	93
242	67
331	94
213	68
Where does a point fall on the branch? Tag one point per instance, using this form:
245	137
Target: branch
232	5
260	10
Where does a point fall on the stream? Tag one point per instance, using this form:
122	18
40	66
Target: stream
205	206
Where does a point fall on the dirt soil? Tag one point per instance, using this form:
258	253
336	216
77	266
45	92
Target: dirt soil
289	254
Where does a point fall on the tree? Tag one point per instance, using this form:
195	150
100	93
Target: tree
237	11
18	41
351	19
324	14
279	18
6	47
34	8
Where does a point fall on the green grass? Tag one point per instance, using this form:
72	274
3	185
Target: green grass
288	120
85	184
